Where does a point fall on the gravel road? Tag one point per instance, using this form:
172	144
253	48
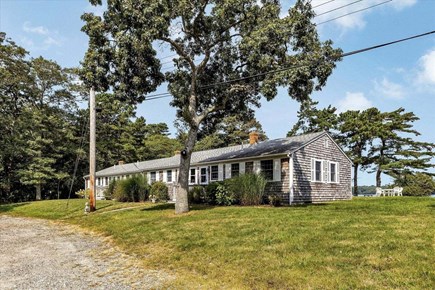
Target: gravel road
39	254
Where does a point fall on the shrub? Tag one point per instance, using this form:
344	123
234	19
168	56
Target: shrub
274	200
110	190
196	194
83	193
159	191
222	195
420	184
248	188
131	189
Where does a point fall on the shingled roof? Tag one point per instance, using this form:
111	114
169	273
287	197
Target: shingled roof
262	149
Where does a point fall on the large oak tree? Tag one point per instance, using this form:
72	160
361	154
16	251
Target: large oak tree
223	50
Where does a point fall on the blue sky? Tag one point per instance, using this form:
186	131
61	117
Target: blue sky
401	75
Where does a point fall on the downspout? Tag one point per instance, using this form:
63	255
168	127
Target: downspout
291	174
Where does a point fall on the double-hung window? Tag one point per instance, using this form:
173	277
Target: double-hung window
249	167
235	169
153	176
214	172
267	169
203	175
192	178
333	172
169	176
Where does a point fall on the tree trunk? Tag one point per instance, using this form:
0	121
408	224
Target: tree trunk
355	179
182	202
38	191
378	176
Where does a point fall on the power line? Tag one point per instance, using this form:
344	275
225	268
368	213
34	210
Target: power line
164	95
323	4
350	13
338	8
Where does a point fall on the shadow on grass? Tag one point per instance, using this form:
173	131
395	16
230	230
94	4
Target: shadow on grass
10	207
160	206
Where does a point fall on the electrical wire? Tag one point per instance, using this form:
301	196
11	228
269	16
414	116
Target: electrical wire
323	4
357	11
338	8
164	95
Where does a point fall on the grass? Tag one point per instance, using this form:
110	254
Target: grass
369	243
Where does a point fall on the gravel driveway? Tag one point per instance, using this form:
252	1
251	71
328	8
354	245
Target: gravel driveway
39	254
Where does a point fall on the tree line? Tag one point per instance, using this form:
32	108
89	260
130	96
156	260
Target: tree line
377	142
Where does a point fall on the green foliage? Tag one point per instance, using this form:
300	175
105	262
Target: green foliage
223	196
311	119
419	184
248	188
83	193
274	200
110	190
197	194
159	191
132	189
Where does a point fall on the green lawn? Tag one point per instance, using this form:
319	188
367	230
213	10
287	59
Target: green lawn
371	243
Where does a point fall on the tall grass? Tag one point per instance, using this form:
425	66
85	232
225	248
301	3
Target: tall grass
248	188
131	189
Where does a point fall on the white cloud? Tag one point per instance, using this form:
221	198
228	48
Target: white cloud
354	101
426	73
402	4
35	29
389	89
40	37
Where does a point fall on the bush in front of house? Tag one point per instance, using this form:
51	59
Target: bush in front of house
223	196
132	189
110	190
274	200
159	191
197	194
248	189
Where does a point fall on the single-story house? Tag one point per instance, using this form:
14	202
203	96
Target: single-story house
305	168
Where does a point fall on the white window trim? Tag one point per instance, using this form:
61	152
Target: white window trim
172	176
218	171
336	172
200	175
190	175
325	171
313	170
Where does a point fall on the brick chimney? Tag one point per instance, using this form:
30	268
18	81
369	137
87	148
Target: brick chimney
253	138
121	162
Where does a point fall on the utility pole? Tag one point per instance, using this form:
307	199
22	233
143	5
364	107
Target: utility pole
92	155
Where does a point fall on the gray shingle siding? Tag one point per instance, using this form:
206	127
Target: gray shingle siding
306	190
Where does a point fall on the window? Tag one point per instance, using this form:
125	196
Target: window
169	175
235	169
318	170
249	167
324	171
106	180
192	178
214	175
203	175
333	170
153	176
267	169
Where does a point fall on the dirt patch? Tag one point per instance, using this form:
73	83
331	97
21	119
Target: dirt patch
39	254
